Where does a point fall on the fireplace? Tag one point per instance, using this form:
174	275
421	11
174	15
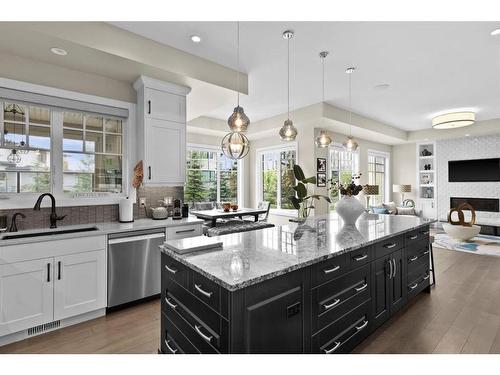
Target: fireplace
479	204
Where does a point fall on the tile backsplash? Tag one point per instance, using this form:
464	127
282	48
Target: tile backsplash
78	215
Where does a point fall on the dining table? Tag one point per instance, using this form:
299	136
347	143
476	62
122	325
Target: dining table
216	213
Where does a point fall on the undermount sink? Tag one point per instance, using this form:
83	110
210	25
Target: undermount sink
47	232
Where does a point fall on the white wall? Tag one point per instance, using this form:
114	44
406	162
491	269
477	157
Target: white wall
404	168
463	149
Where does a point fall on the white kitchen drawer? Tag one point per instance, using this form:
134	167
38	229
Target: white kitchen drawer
175	233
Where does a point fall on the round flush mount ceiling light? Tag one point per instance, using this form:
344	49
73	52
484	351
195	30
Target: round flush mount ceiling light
453	120
495	32
58	51
195	38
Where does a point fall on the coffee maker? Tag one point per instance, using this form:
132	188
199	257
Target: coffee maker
177	213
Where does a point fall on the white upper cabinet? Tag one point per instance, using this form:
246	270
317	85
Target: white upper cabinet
26	294
161	131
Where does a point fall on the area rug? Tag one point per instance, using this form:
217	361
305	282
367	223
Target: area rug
481	244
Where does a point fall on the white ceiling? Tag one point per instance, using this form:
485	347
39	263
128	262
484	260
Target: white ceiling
431	67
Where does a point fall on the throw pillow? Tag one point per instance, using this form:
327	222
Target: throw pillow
405	211
391	207
379	210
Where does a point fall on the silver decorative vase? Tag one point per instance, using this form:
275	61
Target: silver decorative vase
349	209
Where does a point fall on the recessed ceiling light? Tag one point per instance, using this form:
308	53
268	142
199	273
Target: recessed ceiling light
382	86
495	32
58	51
195	38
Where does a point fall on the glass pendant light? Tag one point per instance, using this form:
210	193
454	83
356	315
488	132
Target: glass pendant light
288	132
350	144
235	145
323	139
13	157
238	121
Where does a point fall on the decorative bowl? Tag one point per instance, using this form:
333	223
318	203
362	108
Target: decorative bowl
234	207
226	207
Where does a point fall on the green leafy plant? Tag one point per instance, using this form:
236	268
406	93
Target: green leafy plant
302	201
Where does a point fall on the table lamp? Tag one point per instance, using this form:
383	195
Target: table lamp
402	189
369	190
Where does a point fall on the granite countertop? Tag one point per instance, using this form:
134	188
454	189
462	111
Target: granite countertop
251	257
102	229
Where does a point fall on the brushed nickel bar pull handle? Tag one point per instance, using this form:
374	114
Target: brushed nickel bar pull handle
172	350
185	230
171	270
358	258
426	232
337	344
390	268
362	326
334	303
336	268
426	277
413	237
413	286
426	252
205	337
413	258
395	268
172	305
206	294
361	288
390	245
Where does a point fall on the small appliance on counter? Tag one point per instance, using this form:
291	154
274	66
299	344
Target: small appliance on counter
126	210
185	210
177	213
159	213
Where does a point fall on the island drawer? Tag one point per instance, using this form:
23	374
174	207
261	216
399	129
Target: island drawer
175	233
418	282
343	335
417	258
174	270
329	269
210	293
359	257
417	235
172	340
203	337
389	245
190	303
335	298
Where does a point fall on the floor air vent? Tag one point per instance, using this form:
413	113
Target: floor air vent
43	327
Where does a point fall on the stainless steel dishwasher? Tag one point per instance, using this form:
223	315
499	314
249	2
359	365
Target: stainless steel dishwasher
134	265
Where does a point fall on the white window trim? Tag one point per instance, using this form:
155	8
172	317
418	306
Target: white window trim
387	177
290	146
217	149
13	201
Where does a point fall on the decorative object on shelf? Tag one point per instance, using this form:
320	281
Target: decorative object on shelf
238	121
323	139
460	213
427	167
426	152
370	190
402	189
453	120
321	179
138	175
348	207
288	132
235	145
425	179
350	144
408	203
321	164
302	201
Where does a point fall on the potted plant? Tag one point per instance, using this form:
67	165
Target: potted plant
302	200
348	207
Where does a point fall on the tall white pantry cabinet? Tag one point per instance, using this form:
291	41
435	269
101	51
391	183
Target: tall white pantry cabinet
161	124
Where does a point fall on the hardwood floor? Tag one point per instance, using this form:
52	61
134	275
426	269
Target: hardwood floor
461	315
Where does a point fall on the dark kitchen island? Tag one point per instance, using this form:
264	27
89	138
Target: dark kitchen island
316	288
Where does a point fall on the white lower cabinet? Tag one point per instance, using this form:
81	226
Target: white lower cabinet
79	284
26	294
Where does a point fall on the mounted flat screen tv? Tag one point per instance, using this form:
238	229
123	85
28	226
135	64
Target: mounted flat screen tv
474	170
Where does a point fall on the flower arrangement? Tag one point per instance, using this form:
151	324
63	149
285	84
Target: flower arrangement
350	189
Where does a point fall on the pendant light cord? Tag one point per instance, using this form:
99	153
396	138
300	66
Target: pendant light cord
323	62
288	79
238	59
350	104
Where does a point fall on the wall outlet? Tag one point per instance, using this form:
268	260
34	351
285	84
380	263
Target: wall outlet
142	202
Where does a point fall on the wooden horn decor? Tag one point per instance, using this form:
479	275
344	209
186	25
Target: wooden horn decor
461	219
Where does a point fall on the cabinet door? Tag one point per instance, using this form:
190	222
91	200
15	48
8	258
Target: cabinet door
165	152
165	106
381	290
428	208
398	281
79	283
26	295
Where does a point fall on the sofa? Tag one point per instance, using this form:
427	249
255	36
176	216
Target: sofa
406	208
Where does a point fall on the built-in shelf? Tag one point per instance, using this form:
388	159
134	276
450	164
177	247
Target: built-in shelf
427	185
427	157
427	171
426	198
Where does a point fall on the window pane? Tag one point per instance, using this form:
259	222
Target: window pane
113	126
113	144
8	182
39	137
73	120
33	171
78	162
94	123
72	140
108	173
14	134
287	178
34	182
14	112
228	179
39	116
201	179
93	142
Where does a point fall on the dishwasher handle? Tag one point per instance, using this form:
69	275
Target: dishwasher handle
136	238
